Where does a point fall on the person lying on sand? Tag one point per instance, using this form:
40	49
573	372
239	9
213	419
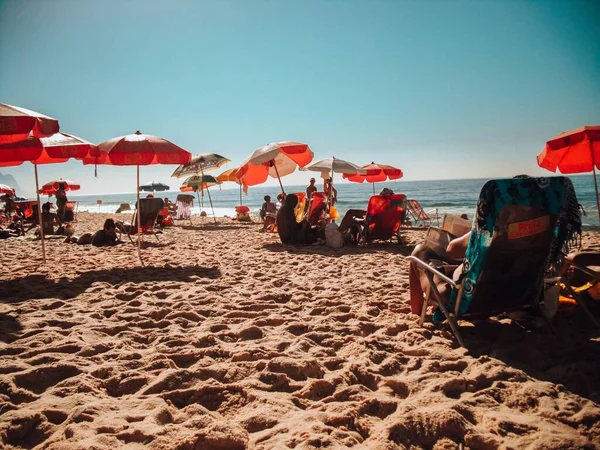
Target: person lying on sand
106	237
290	231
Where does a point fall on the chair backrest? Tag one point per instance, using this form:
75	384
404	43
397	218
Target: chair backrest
456	225
317	201
148	210
183	206
510	243
385	214
300	208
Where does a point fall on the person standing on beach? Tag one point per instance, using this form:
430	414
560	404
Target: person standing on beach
329	189
311	189
61	199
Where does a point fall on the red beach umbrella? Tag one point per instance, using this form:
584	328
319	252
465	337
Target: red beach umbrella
137	149
4	189
375	173
51	186
275	160
17	123
576	151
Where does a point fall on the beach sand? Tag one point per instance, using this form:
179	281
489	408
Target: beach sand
229	340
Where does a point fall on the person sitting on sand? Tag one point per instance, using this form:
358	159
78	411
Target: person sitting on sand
267	208
9	205
170	206
49	220
290	231
268	213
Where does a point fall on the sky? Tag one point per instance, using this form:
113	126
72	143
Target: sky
441	89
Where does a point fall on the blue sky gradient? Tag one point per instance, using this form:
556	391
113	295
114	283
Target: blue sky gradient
441	89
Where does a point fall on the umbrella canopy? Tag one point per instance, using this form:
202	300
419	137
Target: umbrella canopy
4	189
201	180
137	150
154	186
229	175
335	165
57	148
576	151
375	173
275	160
17	123
200	164
51	186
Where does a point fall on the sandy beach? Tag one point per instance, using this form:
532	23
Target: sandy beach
229	340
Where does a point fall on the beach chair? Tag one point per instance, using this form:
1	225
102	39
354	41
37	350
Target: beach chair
148	210
511	243
69	212
317	203
385	214
416	211
183	207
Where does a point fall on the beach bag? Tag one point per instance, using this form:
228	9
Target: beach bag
333	236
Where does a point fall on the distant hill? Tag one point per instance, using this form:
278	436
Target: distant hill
10	181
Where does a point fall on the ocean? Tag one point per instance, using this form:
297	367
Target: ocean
436	197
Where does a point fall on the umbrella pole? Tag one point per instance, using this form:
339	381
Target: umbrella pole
240	195
209	199
278	178
37	192
373	188
139	219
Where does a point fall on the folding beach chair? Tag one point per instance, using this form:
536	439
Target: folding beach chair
385	214
148	210
183	207
317	203
416	211
513	238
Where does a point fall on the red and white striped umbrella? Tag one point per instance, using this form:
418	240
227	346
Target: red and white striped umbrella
275	160
17	123
4	189
51	186
376	173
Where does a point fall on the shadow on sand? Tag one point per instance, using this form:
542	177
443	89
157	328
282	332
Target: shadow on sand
38	286
570	357
277	247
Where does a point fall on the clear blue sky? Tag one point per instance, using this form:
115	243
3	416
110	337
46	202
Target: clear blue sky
442	89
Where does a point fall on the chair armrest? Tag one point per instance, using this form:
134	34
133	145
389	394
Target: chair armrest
433	270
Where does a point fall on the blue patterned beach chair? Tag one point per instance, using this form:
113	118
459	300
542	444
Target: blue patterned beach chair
519	228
